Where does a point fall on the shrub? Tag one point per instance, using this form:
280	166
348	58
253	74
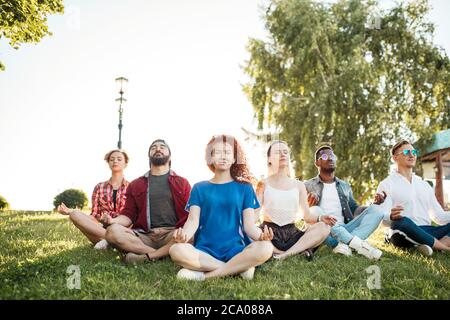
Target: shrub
4	205
72	198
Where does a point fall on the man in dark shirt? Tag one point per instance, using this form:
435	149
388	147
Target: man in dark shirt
154	208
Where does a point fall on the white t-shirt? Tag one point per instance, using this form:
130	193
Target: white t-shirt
330	203
416	197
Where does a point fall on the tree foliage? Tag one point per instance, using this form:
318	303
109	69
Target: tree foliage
352	75
4	205
25	21
72	198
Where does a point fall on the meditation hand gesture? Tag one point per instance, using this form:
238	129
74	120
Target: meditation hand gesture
105	219
328	219
64	210
395	213
313	200
266	234
379	198
180	236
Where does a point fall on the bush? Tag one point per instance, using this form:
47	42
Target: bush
4	205
72	198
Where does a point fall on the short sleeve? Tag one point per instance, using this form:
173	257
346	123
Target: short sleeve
194	198
250	199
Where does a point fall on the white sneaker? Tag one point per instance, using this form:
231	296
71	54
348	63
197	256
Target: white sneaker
248	274
101	245
365	249
187	274
424	249
344	249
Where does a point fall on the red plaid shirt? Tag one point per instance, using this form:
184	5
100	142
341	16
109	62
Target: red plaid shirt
103	202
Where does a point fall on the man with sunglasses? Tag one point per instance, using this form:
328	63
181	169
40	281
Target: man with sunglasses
411	205
331	200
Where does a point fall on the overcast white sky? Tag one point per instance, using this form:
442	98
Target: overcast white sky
58	115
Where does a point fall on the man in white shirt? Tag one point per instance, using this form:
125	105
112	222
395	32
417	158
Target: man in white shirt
411	205
329	196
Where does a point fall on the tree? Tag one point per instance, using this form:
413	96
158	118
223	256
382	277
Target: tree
4	205
25	21
352	75
73	198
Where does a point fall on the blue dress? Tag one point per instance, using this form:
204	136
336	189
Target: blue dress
220	232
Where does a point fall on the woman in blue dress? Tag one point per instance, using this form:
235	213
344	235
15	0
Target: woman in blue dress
222	220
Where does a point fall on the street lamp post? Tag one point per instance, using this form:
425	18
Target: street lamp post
121	85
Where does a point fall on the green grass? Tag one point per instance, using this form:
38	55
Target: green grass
36	248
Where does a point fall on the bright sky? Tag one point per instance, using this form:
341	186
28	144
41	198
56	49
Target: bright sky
58	115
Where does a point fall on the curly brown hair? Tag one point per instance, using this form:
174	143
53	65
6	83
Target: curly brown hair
239	169
108	155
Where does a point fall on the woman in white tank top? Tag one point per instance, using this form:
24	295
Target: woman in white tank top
283	200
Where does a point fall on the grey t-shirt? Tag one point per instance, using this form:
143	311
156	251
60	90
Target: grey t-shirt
162	208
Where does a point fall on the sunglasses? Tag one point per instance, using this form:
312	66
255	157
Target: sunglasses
412	152
325	157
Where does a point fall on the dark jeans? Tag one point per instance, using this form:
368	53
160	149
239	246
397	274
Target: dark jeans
420	234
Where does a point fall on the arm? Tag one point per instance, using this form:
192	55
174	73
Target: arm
437	214
128	214
94	199
386	206
250	228
260	196
304	207
351	201
190	227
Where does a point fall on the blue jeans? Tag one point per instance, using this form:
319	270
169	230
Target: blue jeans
362	226
421	234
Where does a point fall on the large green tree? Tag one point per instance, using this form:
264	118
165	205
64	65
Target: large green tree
352	75
25	21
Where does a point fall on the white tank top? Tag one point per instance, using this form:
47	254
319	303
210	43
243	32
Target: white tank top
280	206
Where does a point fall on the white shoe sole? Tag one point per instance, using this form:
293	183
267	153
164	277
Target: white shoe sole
425	250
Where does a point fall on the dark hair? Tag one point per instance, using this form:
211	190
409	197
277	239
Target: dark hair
159	140
168	148
108	155
323	147
398	145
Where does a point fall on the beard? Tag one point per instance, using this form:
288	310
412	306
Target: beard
159	161
329	170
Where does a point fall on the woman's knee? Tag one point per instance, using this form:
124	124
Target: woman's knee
324	229
316	211
263	250
178	251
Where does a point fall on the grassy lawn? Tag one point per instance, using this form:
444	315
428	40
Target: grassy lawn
36	248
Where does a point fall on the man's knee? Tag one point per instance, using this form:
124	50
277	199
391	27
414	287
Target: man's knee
114	234
375	211
403	224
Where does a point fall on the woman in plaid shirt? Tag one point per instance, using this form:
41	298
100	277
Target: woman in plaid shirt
108	197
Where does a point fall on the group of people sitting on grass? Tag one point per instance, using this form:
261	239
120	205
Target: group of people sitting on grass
213	230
